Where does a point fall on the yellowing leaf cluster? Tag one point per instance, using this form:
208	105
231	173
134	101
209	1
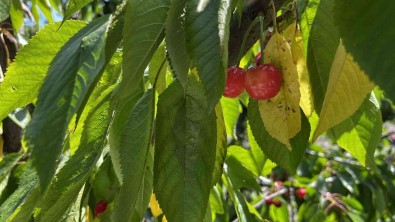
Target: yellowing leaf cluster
281	115
348	84
293	35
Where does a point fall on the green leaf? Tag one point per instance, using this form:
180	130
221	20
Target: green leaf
239	174
252	159
176	41
45	9
261	162
105	183
113	41
272	148
323	41
16	14
279	213
349	85
361	133
204	48
306	21
185	152
26	74
25	210
224	16
221	149
202	5
158	65
73	214
240	204
7	163
74	6
231	109
109	77
70	76
72	176
351	18
4	9
136	155
216	203
26	186
143	31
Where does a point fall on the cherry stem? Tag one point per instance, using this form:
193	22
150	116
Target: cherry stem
253	24
274	16
262	33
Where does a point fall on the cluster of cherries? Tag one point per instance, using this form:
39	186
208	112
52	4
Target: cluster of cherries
262	82
300	193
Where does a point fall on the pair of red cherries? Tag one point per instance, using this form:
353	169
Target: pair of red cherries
262	82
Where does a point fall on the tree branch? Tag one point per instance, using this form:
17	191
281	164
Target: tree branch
237	31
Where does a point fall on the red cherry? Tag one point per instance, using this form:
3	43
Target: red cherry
258	59
100	208
279	183
277	203
263	82
234	82
301	193
268	201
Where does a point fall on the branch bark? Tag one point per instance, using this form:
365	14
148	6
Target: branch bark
238	31
12	133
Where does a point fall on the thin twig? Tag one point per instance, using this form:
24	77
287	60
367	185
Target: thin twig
334	158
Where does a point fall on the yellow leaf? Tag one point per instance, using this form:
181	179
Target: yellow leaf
281	115
348	86
294	37
154	205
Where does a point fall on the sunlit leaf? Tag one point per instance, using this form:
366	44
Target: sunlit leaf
216	203
26	74
369	44
322	38
240	174
252	159
154	206
281	114
70	76
64	189
293	35
73	6
347	84
221	148
231	111
27	184
202	5
360	134
158	65
7	163
16	14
